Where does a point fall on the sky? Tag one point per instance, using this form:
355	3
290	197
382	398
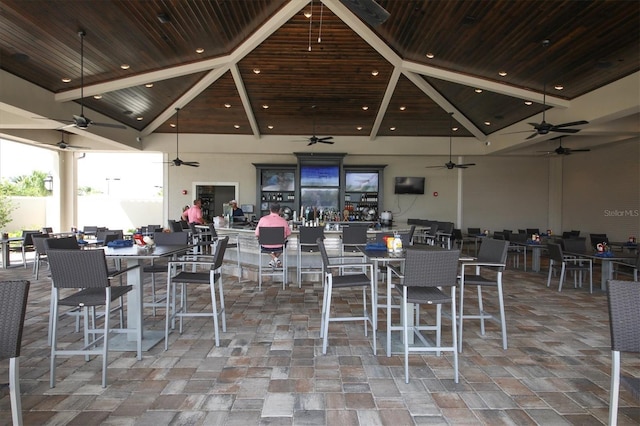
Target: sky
118	174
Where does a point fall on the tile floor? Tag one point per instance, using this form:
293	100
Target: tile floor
269	368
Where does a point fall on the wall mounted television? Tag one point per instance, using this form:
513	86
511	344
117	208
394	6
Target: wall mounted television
361	181
319	175
409	185
273	180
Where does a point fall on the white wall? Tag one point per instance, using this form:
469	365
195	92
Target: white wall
35	213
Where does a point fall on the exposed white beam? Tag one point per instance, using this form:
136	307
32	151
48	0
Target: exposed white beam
246	103
492	86
187	97
360	28
144	78
384	105
430	91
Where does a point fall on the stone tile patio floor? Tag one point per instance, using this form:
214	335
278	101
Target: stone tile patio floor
269	368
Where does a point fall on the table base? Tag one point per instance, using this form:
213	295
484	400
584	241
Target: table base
121	342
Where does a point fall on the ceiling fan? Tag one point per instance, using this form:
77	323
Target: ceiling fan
65	145
80	121
177	161
450	164
314	139
543	127
561	150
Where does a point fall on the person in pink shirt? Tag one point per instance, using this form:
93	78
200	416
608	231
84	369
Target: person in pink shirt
194	214
273	219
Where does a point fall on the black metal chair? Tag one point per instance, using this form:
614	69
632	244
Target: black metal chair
624	268
353	236
574	264
184	278
491	257
333	282
272	236
427	273
160	266
13	305
85	271
624	317
307	237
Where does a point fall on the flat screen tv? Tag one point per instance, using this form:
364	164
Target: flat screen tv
319	175
409	185
277	181
361	182
321	198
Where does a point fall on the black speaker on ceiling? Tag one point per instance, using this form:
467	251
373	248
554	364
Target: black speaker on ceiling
368	10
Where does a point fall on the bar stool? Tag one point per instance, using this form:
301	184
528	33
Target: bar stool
235	243
272	236
307	237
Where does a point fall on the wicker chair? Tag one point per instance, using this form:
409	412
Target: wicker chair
624	318
85	270
13	305
491	257
333	282
427	272
184	278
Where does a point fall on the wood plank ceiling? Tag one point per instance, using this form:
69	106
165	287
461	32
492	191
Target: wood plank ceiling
327	61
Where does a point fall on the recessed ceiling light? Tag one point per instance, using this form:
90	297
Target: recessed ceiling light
172	125
308	14
125	66
256	70
478	90
265	106
163	18
364	108
139	118
502	73
227	105
528	103
392	128
487	123
455	129
359	128
270	127
558	87
374	73
402	108
148	85
430	55
97	96
199	50
66	80
236	126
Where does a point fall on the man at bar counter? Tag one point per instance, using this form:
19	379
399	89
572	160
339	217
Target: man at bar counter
273	219
236	212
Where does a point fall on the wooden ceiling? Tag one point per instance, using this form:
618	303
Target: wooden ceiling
315	75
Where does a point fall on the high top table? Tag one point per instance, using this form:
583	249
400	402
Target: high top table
606	262
142	340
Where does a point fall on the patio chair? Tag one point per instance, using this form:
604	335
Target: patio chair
84	271
624	316
428	272
13	305
488	267
185	278
331	282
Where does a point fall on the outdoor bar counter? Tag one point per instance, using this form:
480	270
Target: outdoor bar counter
250	252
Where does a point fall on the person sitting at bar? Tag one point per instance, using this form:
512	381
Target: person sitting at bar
273	219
